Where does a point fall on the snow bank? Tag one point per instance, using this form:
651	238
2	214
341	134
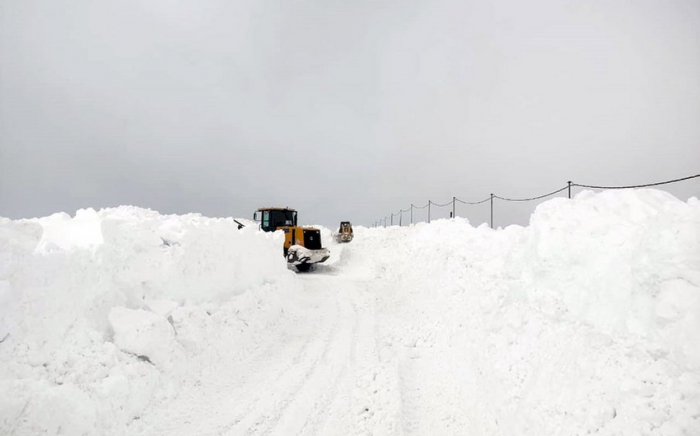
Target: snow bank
622	262
89	307
586	321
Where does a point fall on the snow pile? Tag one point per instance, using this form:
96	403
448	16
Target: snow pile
587	321
125	321
90	309
622	262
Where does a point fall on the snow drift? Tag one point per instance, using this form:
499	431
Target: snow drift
90	307
586	321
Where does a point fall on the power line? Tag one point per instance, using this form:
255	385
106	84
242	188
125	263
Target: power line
539	197
441	205
532	198
474	202
636	186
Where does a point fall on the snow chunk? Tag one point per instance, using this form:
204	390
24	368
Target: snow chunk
147	335
65	233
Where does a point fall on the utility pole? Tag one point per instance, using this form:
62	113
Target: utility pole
491	210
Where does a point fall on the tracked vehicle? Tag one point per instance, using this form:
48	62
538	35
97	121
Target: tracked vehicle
345	233
302	245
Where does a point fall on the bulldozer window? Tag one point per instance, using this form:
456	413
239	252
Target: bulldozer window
273	219
288	218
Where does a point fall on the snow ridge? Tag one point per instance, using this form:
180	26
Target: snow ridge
125	321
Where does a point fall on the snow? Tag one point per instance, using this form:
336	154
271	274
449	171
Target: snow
125	321
147	335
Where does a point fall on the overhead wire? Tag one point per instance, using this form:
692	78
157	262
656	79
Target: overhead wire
441	205
473	202
569	186
532	198
636	186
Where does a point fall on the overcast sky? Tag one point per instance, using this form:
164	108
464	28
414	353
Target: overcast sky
345	110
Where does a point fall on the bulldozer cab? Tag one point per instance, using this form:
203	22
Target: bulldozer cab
344	232
272	219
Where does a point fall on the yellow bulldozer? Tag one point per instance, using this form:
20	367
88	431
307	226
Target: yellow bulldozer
302	245
344	233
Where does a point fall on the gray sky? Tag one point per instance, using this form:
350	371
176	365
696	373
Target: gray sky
345	110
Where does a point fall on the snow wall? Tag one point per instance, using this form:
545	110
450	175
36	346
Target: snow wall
585	322
598	299
92	310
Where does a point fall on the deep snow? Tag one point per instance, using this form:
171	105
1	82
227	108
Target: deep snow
125	321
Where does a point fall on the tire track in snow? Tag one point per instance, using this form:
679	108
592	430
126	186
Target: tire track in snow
232	391
205	406
331	372
269	411
310	386
310	402
351	390
369	404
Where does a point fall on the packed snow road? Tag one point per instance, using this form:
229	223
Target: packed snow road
298	379
334	370
128	322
